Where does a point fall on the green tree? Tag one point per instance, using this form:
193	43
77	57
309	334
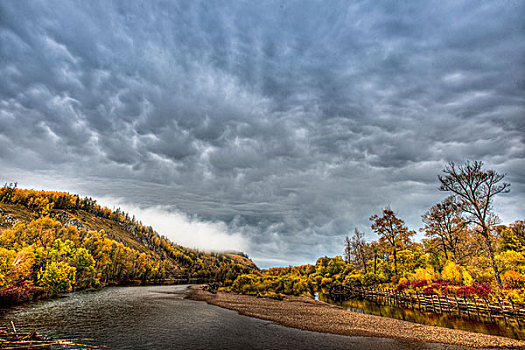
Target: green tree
57	277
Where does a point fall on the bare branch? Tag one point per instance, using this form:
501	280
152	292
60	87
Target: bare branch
476	189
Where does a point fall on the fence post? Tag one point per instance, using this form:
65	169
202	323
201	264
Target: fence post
396	297
489	310
457	305
515	313
503	312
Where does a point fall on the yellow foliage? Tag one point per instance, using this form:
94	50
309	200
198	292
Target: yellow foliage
6	266
452	272
514	279
23	262
326	282
467	278
512	260
57	277
131	251
424	274
517	295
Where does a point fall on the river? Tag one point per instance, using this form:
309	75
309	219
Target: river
159	317
473	324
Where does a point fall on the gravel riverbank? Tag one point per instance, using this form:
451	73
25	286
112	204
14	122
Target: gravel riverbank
307	314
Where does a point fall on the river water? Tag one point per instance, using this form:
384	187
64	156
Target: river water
472	324
159	317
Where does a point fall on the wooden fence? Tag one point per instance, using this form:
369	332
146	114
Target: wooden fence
507	310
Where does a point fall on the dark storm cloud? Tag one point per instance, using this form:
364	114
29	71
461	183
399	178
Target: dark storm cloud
290	122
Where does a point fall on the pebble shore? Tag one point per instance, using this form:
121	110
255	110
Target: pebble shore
312	315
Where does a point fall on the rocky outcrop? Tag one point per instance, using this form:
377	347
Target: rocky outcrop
64	217
131	229
77	224
69	220
8	220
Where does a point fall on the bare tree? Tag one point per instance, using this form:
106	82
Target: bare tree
518	228
358	249
392	231
476	188
348	250
374	247
444	222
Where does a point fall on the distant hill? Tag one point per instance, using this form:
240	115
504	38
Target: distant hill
53	242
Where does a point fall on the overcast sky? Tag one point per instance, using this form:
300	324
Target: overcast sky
275	127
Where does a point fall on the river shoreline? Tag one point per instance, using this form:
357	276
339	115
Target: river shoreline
15	296
312	315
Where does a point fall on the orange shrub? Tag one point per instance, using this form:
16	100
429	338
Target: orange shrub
514	279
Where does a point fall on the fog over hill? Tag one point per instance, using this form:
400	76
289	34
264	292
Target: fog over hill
274	128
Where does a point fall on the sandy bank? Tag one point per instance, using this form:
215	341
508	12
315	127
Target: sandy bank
308	314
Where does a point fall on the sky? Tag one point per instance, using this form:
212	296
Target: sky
272	127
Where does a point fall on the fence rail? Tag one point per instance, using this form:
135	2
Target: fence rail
508	310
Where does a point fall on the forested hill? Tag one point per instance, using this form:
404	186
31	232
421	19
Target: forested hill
52	242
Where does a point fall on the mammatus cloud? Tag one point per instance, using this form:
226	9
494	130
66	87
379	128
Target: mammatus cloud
283	125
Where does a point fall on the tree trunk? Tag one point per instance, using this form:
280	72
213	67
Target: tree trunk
395	261
492	259
375	263
455	256
444	248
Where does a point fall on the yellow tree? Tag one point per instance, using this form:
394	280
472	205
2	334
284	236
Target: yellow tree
6	267
444	221
57	277
392	231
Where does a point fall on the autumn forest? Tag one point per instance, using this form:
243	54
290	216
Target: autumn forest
465	252
54	242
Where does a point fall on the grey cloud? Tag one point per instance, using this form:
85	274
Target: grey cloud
291	122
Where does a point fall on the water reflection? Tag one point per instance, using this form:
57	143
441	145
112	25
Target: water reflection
479	325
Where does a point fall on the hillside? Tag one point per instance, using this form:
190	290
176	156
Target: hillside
52	242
